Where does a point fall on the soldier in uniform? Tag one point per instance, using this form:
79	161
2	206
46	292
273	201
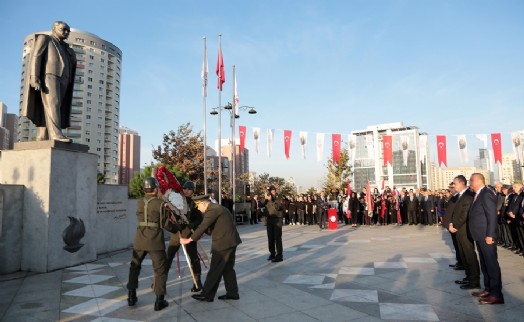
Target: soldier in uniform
195	218
149	239
220	223
273	204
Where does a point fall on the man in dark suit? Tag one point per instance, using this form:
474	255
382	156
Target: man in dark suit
275	209
411	205
447	220
513	211
482	222
224	242
149	239
458	226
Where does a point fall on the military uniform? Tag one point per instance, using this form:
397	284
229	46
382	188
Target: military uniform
195	218
224	241
149	239
274	227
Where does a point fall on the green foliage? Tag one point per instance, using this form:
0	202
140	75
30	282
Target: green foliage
338	173
100	179
263	181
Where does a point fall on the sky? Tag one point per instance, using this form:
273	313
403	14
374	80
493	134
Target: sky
448	67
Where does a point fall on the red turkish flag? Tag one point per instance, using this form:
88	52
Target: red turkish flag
388	151
287	142
441	150
496	143
242	135
335	139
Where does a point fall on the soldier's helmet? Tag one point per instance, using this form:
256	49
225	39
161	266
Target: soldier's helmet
150	183
189	185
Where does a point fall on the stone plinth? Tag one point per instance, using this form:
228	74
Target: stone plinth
60	194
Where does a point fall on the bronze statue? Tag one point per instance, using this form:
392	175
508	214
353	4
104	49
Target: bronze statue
49	90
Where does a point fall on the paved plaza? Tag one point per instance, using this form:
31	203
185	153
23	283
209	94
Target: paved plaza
365	274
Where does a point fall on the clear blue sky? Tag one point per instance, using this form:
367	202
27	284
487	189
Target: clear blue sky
448	67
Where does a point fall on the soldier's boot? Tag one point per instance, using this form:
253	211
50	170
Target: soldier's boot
131	298
198	286
160	303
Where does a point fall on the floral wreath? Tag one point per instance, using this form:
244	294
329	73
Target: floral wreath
166	180
172	192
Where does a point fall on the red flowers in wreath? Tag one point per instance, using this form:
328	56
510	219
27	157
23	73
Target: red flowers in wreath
166	180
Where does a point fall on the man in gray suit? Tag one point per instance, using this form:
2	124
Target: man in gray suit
224	242
51	72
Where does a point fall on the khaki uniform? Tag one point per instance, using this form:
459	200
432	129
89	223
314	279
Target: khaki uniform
149	239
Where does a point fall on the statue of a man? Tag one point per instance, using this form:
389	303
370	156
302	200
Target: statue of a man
49	90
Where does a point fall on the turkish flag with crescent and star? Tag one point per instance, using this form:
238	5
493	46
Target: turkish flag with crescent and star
388	151
242	135
441	150
287	142
336	138
496	143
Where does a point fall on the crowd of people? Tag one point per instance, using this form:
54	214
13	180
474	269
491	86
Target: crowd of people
391	206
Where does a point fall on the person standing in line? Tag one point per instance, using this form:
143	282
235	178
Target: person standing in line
255	210
458	226
273	203
219	221
447	220
149	239
482	222
411	205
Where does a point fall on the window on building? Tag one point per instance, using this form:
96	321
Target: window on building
92	50
90	79
89	71
92	43
89	94
88	140
88	133
102	60
88	101
80	40
91	57
101	82
88	117
89	86
91	65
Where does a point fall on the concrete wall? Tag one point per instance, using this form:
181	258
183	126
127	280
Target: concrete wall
115	219
11	212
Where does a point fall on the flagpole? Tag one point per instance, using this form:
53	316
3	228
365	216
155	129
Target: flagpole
204	97
219	130
233	144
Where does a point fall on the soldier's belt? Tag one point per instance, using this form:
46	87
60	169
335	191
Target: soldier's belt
148	224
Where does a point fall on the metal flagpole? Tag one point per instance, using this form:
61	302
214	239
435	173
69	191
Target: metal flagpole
219	129
204	97
233	144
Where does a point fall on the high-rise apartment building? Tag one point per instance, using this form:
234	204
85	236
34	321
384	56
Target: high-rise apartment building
8	124
410	166
96	98
510	169
129	155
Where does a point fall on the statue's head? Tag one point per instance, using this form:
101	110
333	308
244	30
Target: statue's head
61	30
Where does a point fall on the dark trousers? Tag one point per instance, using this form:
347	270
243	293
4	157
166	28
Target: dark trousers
274	236
158	257
222	265
321	218
457	251
468	255
412	216
191	248
509	239
489	265
513	228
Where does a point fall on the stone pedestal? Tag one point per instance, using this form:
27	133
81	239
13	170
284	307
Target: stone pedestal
60	197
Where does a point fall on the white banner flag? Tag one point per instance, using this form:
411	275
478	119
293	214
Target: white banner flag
369	146
517	139
463	148
320	146
256	137
423	148
303	142
483	138
352	142
404	146
270	135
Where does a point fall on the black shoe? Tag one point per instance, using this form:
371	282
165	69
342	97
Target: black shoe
131	298
229	297
453	265
271	257
201	297
276	260
462	282
160	303
469	286
459	268
198	286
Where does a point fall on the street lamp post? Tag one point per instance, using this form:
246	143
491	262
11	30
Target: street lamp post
233	116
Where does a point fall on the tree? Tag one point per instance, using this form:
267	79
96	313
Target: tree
183	150
100	179
263	181
338	173
135	185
